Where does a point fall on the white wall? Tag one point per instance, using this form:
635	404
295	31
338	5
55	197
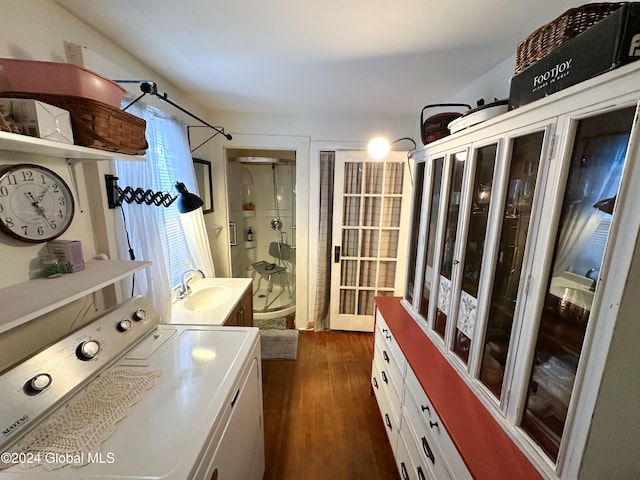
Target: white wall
492	85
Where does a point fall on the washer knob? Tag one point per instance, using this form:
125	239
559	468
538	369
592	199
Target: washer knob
124	325
88	349
140	314
40	382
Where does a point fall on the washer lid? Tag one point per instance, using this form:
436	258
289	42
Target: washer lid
163	436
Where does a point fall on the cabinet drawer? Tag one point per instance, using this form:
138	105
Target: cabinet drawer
389	418
434	443
391	386
406	467
424	440
389	347
421	471
390	375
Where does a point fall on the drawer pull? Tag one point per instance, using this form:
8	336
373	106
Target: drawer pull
427	451
405	474
375	382
421	474
433	424
384	378
388	421
425	408
385	356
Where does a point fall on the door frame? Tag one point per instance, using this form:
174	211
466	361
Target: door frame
220	239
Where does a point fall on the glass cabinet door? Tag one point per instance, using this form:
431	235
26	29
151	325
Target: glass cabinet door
592	185
516	212
450	232
432	227
480	192
416	214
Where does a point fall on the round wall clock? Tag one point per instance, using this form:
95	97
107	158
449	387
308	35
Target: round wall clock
36	204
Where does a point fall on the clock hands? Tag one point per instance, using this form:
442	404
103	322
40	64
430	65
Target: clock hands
41	196
36	204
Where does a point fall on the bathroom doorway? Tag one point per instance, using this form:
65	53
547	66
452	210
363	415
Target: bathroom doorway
262	201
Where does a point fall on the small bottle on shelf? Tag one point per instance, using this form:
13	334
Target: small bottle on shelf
249	235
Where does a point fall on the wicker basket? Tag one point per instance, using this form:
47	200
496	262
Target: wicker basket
568	25
4	126
96	124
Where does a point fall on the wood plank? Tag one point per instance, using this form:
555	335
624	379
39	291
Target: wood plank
321	419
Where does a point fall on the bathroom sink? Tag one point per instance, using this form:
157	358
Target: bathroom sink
573	289
210	302
208	297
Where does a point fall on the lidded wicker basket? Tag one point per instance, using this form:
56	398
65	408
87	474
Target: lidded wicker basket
568	25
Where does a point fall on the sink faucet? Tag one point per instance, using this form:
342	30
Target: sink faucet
185	290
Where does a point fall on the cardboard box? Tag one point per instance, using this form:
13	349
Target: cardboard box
37	119
612	42
69	252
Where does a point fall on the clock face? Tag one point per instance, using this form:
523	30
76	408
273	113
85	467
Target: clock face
36	205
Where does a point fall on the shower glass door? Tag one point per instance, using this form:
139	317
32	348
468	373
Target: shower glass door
369	235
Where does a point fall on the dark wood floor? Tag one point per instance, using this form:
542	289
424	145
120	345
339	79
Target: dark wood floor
321	420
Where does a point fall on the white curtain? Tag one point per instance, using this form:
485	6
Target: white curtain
152	229
142	233
195	232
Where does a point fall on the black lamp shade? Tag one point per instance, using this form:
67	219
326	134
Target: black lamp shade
606	205
187	202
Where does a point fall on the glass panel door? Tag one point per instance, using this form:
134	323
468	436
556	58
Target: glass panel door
432	227
592	186
481	187
369	235
516	213
416	214
449	243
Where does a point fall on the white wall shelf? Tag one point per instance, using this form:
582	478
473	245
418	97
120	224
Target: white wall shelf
13	142
27	300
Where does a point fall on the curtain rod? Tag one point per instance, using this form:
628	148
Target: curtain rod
149	87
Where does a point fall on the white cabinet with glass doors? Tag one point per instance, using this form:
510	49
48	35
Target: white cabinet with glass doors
521	267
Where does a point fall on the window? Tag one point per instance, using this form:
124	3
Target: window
168	160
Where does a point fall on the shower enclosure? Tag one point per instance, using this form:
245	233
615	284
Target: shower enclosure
262	213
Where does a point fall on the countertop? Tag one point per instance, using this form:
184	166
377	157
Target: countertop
487	450
217	316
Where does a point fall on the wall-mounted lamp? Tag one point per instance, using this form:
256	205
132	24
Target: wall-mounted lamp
379	147
187	202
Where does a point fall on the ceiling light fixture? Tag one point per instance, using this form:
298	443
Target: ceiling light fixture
379	147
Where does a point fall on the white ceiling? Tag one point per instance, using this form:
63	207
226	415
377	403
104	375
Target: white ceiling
342	58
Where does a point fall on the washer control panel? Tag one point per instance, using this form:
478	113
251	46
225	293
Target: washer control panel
43	382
